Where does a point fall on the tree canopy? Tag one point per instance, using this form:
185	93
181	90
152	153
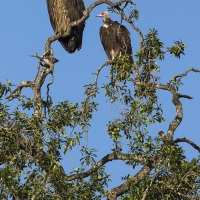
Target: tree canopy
38	135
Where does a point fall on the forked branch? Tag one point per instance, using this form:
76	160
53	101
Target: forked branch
36	85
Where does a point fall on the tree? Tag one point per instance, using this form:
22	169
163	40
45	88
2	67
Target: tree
38	133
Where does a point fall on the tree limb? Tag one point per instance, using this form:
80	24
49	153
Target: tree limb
179	115
103	161
183	74
36	85
123	188
184	139
17	91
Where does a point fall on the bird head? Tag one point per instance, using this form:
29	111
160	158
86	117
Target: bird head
104	15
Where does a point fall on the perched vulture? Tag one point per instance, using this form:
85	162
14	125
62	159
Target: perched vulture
115	38
63	12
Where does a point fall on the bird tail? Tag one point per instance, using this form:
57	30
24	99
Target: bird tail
73	42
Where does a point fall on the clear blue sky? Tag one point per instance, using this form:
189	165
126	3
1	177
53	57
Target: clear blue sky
25	28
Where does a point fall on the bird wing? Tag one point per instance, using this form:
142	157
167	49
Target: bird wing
61	13
51	7
75	9
106	40
115	39
123	39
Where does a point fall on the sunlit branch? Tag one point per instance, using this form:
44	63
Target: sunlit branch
103	161
36	85
99	70
179	115
17	91
184	139
183	74
175	99
123	188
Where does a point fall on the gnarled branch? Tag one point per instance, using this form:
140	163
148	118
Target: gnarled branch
36	85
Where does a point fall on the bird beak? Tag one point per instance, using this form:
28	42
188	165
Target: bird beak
99	15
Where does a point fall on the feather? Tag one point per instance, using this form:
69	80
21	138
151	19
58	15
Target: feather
63	12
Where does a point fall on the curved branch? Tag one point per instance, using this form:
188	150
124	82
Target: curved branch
18	90
179	115
99	70
123	188
103	161
184	74
132	25
175	99
184	139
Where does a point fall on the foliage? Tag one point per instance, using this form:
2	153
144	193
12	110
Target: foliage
36	134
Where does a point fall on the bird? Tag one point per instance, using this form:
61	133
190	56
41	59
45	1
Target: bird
61	14
115	38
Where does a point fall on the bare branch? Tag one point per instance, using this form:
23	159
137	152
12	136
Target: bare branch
99	70
185	96
17	91
179	115
184	139
36	85
183	74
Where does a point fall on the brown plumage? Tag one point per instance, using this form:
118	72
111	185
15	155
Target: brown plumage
63	12
115	38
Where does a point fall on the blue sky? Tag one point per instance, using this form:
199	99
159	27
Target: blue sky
25	28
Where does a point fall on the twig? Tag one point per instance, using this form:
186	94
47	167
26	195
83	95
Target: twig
99	69
183	74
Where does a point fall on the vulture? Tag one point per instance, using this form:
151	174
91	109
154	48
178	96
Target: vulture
115	38
63	12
